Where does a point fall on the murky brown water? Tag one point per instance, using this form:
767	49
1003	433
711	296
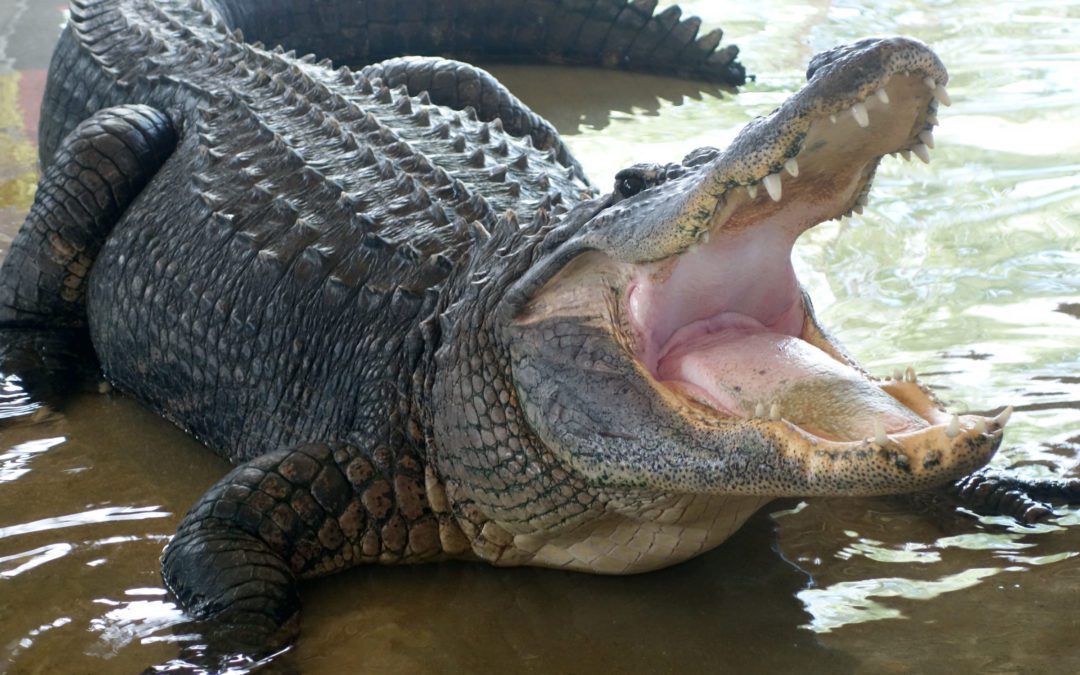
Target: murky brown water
968	269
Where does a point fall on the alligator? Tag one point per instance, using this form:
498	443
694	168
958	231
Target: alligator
390	295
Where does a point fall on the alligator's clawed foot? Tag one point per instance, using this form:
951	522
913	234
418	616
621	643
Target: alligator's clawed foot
243	595
1026	500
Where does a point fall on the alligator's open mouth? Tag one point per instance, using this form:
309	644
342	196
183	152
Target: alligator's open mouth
726	323
683	292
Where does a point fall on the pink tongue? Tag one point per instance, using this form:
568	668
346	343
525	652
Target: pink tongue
738	368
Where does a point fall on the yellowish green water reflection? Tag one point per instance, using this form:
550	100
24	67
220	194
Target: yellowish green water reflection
968	269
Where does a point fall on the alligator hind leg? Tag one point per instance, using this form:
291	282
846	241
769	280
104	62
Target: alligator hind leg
460	85
97	171
289	515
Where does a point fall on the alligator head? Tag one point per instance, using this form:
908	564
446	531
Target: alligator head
660	345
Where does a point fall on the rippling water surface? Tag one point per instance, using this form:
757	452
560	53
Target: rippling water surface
967	269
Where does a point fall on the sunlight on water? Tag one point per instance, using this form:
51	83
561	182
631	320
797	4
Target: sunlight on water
850	602
15	399
137	620
985	541
15	462
84	518
33	558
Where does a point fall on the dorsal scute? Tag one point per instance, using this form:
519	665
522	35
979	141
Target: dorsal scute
349	156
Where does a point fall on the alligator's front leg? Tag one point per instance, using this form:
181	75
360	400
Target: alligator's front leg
1028	500
289	515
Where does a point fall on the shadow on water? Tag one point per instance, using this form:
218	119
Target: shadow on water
732	609
599	96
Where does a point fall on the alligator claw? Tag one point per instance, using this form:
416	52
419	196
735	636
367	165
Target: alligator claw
1027	500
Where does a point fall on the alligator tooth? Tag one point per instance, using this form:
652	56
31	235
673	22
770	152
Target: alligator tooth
932	119
858	111
927	137
906	154
772	184
980	426
882	95
759	410
857	208
897	375
832	118
922	152
879	433
938	90
792	167
863	199
954	427
1003	418
705	236
774	412
752	190
909	375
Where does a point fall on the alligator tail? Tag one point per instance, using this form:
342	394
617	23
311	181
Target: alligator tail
603	33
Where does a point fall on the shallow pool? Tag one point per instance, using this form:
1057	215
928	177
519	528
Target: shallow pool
967	269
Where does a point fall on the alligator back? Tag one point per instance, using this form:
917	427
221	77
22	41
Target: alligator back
262	289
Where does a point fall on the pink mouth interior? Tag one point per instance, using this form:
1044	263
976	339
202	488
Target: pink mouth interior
724	325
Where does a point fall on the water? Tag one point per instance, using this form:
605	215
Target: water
968	269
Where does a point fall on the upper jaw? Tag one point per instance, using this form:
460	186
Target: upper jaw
826	140
879	96
735	270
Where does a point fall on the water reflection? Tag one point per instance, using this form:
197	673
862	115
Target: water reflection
128	621
102	515
850	601
14	463
15	403
28	640
614	97
32	559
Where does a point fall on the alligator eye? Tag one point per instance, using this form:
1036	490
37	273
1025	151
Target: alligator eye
630	185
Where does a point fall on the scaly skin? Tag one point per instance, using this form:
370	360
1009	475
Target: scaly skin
299	228
417	329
